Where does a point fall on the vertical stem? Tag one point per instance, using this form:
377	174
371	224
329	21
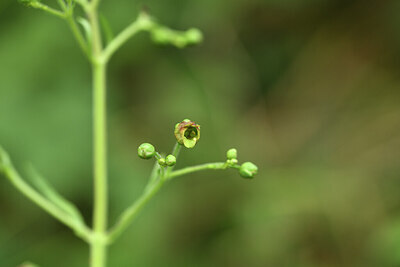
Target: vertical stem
100	158
98	244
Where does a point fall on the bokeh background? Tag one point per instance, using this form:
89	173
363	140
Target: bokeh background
309	90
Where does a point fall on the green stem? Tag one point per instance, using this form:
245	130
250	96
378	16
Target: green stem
80	229
98	244
49	10
130	213
143	22
155	173
153	187
100	159
175	152
77	34
206	166
62	4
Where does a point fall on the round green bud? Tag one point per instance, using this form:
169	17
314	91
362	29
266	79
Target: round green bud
231	153
162	162
170	160
248	170
146	151
194	36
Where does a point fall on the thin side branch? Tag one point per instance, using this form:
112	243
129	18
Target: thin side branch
143	22
47	9
206	166
13	176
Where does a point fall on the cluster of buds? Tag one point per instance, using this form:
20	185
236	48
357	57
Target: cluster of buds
169	161
181	39
187	134
148	151
246	170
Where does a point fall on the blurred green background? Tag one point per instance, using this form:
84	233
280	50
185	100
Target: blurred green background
309	90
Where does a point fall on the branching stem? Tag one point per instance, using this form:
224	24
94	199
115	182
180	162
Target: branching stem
153	187
99	238
143	22
79	228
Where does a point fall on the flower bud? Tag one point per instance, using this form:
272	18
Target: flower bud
248	170
162	162
231	153
187	133
170	160
193	36
146	151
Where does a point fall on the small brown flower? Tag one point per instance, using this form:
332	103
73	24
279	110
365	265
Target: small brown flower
187	133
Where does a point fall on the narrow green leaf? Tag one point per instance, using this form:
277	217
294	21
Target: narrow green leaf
42	185
4	159
106	27
88	29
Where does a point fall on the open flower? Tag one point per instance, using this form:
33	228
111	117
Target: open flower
187	133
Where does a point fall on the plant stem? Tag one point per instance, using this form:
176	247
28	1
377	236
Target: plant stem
175	152
80	229
100	159
77	34
206	166
49	10
151	189
143	22
129	214
98	243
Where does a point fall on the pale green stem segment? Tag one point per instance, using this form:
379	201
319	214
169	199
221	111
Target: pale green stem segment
99	242
62	4
77	34
143	22
131	212
153	187
13	176
206	166
48	9
175	152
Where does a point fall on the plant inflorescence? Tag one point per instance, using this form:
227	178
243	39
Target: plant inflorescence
88	34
